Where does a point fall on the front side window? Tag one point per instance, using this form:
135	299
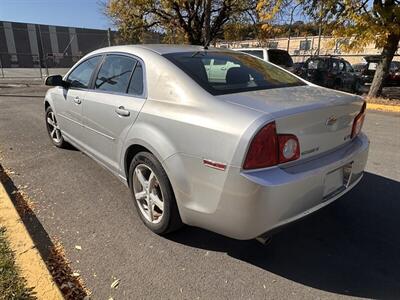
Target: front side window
335	65
242	72
80	76
114	74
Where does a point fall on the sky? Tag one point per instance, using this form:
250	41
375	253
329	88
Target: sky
75	13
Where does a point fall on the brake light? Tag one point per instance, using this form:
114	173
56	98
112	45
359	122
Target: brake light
268	148
358	121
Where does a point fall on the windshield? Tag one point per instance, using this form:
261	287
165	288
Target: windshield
231	72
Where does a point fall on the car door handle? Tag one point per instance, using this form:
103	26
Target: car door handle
122	111
77	100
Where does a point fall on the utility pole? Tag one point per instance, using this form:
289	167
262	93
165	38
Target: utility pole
207	17
43	53
1	67
109	36
320	29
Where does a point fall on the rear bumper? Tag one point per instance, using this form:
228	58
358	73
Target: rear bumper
256	202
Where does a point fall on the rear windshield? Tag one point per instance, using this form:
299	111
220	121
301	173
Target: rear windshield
280	57
231	72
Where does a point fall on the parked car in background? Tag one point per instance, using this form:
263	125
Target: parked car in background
358	68
240	157
367	72
297	66
331	72
276	56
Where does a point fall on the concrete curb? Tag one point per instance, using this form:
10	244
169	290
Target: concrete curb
27	257
383	107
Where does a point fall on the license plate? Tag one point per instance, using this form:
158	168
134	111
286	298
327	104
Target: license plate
338	180
333	181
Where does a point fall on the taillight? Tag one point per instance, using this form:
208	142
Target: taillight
288	147
358	121
268	148
263	152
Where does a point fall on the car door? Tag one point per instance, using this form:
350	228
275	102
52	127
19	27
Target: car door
351	77
69	107
111	107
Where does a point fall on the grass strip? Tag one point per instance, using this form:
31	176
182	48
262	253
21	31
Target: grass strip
12	285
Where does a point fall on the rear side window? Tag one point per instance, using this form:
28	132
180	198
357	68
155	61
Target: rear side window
219	62
258	53
342	66
114	74
280	58
316	64
136	84
80	76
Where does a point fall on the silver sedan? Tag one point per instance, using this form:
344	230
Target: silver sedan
210	137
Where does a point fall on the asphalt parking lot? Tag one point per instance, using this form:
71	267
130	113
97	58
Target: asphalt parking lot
351	248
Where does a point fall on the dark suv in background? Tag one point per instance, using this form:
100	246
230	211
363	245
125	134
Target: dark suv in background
330	72
367	72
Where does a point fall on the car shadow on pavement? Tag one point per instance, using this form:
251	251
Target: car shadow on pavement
351	247
25	210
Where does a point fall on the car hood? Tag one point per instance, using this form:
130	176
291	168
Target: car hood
282	101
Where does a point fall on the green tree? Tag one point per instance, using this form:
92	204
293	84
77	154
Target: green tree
361	21
198	21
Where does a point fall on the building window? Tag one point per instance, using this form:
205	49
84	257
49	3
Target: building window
339	43
272	45
305	45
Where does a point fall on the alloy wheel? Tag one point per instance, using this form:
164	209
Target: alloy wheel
54	129
148	193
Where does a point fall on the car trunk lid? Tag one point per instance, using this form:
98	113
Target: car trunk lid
321	119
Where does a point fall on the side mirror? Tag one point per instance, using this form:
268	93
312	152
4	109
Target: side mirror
55	80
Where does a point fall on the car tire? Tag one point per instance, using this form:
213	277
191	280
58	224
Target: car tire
155	204
53	129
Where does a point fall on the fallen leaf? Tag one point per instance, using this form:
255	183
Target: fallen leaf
115	284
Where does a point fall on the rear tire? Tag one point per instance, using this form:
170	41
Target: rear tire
153	195
53	129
